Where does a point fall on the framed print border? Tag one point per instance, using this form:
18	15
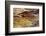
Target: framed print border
7	20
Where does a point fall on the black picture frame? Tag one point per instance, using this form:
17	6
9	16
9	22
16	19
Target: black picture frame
7	3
